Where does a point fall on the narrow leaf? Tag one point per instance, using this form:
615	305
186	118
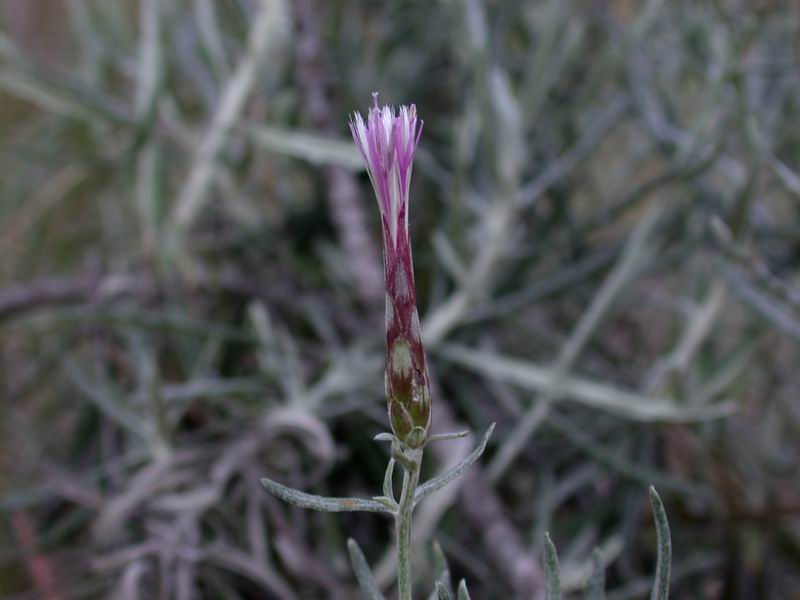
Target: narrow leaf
463	594
304	500
441	591
316	149
388	488
595	589
438	437
661	583
551	571
593	394
363	574
437	483
440	567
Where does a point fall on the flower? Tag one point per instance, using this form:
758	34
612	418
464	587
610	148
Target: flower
387	142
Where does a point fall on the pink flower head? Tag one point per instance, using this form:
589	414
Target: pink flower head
387	143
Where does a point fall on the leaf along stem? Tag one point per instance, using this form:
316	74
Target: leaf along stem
661	584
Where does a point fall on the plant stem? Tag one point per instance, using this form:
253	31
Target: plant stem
403	525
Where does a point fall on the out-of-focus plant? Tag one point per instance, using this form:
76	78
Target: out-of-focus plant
190	288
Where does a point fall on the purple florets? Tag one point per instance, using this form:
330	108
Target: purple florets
387	143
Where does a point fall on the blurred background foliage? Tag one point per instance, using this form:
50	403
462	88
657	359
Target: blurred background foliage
605	223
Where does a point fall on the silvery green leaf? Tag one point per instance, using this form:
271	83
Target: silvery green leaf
441	591
593	394
363	573
440	567
463	594
304	500
595	590
441	571
437	483
389	503
661	583
551	571
388	488
438	437
311	147
384	437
